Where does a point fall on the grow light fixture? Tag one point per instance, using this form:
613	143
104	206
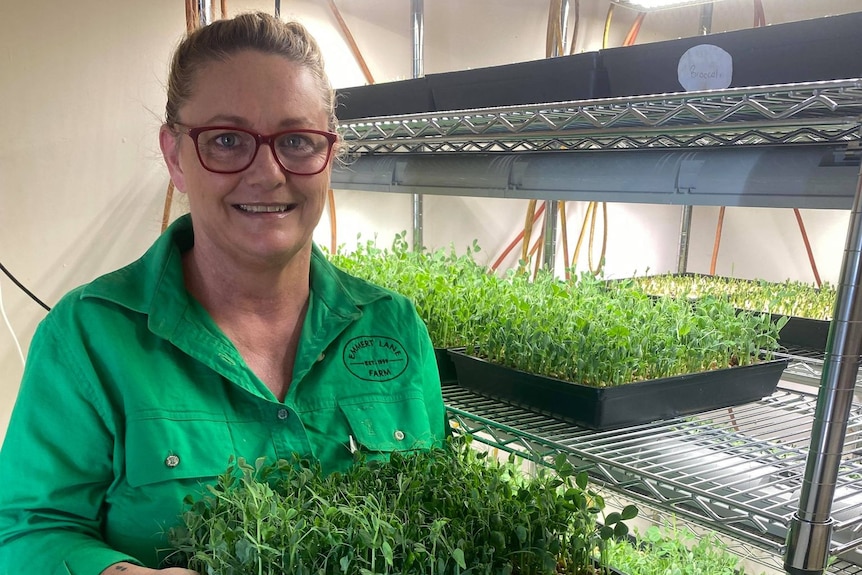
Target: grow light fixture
653	5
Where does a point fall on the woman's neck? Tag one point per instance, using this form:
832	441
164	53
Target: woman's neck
227	288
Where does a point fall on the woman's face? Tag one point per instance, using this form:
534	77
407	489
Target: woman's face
263	215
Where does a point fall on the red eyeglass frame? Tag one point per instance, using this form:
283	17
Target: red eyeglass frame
260	139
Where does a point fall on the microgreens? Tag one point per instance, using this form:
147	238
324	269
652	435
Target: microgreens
791	298
673	549
585	330
451	510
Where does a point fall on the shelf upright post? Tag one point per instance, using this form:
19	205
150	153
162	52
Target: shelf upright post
417	9
706	19
704	28
810	532
684	239
205	11
549	249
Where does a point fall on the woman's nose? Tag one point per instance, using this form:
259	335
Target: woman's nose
266	164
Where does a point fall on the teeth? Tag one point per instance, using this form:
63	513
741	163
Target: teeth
254	208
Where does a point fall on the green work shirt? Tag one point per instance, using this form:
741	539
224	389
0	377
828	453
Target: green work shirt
132	398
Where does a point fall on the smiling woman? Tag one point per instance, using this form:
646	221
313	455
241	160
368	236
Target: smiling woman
244	202
230	338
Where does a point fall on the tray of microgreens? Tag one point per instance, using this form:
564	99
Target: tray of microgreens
580	348
451	510
809	308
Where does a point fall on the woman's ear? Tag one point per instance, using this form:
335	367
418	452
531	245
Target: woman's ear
169	142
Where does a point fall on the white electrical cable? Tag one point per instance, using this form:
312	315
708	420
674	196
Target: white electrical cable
9	325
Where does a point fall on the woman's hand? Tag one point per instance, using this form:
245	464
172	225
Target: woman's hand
129	569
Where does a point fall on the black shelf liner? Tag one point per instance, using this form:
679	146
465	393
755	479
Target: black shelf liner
820	49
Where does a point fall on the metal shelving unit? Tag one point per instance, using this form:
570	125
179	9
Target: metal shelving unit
738	471
805	113
708	148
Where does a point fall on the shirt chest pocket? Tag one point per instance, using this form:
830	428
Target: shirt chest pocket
383	424
161	450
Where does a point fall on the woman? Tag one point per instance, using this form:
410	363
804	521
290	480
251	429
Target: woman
231	337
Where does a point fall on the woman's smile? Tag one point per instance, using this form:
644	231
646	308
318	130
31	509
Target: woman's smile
279	209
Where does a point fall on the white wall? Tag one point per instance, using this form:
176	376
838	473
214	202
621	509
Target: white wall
81	182
82	185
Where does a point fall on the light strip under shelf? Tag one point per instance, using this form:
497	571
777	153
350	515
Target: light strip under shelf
652	5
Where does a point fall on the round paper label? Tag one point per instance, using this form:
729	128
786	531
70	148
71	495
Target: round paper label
705	67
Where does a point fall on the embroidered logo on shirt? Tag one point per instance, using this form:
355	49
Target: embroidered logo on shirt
375	357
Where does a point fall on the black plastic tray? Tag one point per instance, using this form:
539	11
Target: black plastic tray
803	332
574	77
801	51
385	99
623	405
445	366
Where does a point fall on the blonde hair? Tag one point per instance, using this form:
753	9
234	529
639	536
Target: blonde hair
249	31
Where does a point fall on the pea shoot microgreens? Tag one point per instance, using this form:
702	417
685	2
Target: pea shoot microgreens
673	549
585	330
450	510
791	298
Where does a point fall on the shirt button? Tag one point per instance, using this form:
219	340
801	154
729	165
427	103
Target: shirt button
320	357
283	414
399	435
172	461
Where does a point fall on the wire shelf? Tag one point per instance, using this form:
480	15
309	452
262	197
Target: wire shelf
844	568
738	471
806	366
803	113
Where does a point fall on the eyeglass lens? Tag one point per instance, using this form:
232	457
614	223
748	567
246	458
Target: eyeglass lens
225	150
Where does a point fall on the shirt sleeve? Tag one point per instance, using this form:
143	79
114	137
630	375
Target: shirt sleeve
56	463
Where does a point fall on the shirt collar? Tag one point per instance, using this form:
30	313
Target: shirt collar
154	284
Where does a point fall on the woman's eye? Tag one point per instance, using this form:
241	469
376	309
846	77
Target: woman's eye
226	140
296	143
221	140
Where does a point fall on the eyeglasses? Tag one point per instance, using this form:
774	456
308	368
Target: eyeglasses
230	150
